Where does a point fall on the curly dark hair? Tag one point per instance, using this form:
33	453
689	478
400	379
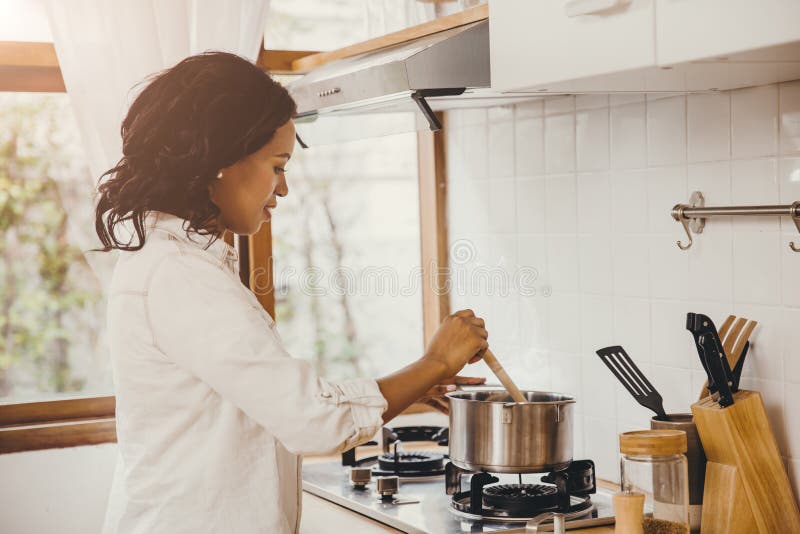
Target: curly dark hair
191	120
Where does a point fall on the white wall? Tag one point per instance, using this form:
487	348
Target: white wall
580	188
62	491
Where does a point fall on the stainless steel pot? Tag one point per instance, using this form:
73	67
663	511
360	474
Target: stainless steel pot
491	432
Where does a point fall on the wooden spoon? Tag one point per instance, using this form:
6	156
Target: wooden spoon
500	373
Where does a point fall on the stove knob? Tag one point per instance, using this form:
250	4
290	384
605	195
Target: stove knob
360	476
388	486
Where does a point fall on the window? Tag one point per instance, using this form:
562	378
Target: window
346	243
52	335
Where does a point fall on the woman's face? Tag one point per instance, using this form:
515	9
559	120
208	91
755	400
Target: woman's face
249	188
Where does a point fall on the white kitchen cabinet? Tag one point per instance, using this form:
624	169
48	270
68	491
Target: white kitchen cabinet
606	46
691	30
540	44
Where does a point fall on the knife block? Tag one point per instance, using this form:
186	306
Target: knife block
746	486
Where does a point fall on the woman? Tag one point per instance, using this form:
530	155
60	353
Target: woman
213	415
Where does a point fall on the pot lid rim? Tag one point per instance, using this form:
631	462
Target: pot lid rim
565	399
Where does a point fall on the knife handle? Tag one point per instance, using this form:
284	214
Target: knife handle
714	358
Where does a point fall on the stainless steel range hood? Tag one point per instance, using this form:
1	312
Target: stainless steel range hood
444	70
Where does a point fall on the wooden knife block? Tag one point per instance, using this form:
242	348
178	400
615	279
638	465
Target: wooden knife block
746	487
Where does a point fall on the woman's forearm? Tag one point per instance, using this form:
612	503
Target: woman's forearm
404	387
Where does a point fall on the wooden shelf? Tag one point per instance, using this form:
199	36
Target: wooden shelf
23	54
280	61
33	67
29	67
304	64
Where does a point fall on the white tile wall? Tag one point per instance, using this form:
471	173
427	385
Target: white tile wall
578	190
666	130
754	121
708	120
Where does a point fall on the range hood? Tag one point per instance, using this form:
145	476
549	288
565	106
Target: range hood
444	70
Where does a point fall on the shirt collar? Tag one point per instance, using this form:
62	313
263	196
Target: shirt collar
174	225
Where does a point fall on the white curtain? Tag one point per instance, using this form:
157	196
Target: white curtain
105	47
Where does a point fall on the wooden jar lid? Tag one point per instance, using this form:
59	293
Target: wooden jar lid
653	442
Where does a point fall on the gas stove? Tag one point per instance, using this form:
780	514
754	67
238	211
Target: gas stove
396	462
566	491
421	492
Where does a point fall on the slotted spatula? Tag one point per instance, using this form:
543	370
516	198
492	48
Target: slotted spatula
632	378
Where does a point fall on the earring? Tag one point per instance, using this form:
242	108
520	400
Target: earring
219	175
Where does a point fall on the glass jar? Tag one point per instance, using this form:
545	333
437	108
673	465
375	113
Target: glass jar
654	463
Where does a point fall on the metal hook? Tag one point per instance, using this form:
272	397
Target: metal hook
796	219
693	224
685	225
677	214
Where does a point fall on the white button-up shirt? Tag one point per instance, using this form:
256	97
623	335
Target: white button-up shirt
212	412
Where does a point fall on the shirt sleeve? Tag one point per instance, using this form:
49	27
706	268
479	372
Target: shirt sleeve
203	322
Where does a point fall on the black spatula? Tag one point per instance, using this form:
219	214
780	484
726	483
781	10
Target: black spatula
632	378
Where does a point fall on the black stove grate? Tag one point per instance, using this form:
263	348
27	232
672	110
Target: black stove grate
419	462
462	502
415	465
519	499
565	491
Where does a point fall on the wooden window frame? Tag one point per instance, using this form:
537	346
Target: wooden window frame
33	67
434	253
27	426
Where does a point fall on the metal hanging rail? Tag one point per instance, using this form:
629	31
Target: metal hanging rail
693	215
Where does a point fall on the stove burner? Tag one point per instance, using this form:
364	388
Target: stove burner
565	491
405	462
519	499
417	465
461	505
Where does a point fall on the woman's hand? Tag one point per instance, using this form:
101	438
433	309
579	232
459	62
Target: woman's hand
460	339
435	397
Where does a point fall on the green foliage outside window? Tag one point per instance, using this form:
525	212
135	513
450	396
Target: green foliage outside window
49	295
